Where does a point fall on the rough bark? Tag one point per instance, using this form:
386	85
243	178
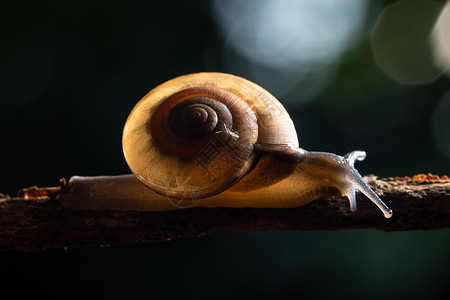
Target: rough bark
28	225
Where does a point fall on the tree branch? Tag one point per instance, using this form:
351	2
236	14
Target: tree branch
28	225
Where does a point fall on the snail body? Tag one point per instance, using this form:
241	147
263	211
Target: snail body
216	140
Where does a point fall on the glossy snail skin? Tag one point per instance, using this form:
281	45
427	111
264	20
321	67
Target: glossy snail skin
216	140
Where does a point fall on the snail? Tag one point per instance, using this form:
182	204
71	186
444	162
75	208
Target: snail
216	140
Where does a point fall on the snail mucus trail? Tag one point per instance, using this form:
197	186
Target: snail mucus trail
216	140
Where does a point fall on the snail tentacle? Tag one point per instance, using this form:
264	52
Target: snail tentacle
361	185
364	188
351	157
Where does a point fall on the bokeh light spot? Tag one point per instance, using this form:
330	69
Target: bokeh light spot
440	125
401	41
284	44
441	39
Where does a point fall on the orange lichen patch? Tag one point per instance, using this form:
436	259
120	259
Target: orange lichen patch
35	192
430	177
419	178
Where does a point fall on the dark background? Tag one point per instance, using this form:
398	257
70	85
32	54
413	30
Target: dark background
70	72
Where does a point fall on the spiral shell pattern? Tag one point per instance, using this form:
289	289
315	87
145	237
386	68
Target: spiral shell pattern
194	136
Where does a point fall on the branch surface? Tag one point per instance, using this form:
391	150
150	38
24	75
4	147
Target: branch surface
36	224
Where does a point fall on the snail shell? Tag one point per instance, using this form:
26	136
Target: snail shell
216	140
194	136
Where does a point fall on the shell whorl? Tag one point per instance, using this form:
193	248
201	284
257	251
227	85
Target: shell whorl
194	136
